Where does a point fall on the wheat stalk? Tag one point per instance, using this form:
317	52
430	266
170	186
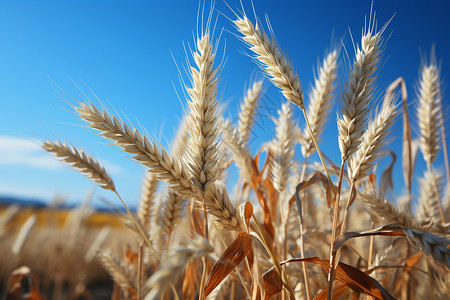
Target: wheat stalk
351	124
165	167
271	60
84	163
428	112
248	110
358	94
320	102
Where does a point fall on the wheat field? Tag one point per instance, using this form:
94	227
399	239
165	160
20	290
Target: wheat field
296	225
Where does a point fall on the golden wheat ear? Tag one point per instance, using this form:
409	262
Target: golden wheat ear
203	154
435	248
428	112
171	211
386	210
271	59
84	163
370	150
167	168
430	190
124	276
148	193
283	147
358	94
320	102
248	110
241	154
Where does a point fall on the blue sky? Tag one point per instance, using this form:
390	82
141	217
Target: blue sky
123	51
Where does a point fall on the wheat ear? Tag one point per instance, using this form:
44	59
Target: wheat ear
277	68
92	169
283	147
433	247
320	102
171	210
148	192
165	167
373	140
248	110
428	112
351	124
271	60
84	163
385	210
241	154
428	208
443	285
385	257
203	152
123	275
358	94
219	205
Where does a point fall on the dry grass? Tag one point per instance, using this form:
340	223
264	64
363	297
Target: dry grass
279	232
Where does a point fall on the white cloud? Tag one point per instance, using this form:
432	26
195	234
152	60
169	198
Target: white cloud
27	152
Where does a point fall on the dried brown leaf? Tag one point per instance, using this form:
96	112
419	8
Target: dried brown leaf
388	230
351	277
256	185
272	283
232	256
190	281
317	176
339	290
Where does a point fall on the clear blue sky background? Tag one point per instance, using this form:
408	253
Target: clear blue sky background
122	51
